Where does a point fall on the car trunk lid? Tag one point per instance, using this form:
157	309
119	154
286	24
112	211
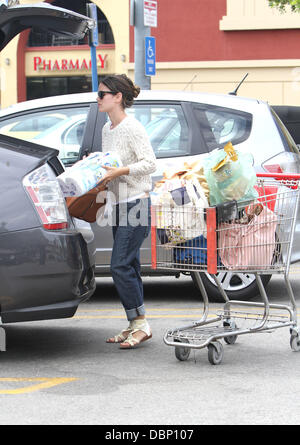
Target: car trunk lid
34	155
15	19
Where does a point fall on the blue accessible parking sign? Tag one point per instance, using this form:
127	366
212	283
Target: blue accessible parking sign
150	69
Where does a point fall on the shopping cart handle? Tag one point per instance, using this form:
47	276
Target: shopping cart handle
284	176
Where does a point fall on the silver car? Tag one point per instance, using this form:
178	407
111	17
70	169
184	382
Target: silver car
182	127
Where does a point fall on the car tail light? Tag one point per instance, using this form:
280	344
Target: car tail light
284	162
273	168
45	193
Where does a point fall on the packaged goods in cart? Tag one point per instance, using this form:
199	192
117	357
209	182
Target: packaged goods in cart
86	174
181	202
230	175
174	178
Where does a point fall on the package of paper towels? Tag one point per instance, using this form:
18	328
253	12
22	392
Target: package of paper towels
86	174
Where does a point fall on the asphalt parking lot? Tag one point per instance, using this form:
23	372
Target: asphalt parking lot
62	372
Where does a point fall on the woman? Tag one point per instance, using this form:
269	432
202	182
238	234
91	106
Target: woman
130	185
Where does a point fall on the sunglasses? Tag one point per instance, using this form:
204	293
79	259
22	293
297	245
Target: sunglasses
101	94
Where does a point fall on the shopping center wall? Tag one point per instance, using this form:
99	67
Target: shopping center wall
210	46
201	46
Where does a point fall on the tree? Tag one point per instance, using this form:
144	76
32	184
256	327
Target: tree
282	4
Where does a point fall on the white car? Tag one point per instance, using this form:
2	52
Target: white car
182	126
66	136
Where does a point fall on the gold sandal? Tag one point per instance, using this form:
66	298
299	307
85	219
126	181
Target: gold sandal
136	325
120	337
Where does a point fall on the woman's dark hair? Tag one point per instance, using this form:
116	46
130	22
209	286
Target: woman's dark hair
120	83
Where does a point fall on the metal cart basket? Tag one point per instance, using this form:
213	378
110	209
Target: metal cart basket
256	237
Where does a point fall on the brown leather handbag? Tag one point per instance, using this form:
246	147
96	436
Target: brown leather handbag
85	207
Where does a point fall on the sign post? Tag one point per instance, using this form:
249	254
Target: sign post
91	9
143	14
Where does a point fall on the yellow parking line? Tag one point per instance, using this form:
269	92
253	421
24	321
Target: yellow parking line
45	383
108	317
152	309
184	313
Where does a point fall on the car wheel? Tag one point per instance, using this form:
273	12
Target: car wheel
238	286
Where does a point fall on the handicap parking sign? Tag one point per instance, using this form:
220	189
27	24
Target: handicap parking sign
150	69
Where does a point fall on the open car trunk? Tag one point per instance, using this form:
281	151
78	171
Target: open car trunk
42	16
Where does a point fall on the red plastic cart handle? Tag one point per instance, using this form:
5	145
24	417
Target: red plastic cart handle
211	223
284	176
153	239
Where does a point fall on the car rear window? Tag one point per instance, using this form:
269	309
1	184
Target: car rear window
220	125
287	140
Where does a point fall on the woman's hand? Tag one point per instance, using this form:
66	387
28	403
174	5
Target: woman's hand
113	173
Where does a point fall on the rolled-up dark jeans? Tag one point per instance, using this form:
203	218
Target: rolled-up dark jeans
133	221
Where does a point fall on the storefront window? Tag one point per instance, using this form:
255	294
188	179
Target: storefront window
54	86
38	38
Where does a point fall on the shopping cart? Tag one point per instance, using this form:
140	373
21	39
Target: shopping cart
256	237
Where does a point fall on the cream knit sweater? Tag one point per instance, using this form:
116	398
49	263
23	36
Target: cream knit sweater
130	141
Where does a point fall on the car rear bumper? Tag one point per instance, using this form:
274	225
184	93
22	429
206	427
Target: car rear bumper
49	312
44	275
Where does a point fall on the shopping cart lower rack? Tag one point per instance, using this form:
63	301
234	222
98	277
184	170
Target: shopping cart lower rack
256	237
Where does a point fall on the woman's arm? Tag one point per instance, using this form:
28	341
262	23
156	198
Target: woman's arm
140	143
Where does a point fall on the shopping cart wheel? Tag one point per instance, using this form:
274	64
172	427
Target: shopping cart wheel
182	353
295	343
215	353
230	339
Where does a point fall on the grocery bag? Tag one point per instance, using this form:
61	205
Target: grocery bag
230	175
193	252
180	213
248	246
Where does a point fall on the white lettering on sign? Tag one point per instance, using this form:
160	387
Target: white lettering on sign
67	64
150	13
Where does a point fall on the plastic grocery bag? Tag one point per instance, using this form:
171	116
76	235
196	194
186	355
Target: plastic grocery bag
87	173
193	252
230	175
180	212
248	246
